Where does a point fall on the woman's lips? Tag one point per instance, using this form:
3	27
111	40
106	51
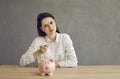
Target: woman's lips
51	30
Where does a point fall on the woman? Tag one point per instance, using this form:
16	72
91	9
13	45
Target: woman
50	44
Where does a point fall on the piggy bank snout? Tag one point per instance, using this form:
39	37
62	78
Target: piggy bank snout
47	67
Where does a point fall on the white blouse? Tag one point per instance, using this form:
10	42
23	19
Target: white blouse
61	51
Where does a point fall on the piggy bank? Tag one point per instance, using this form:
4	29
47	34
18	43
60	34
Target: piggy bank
46	67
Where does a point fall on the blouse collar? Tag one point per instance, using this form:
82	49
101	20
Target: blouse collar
56	40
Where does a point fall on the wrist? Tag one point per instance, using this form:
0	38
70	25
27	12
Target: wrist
37	53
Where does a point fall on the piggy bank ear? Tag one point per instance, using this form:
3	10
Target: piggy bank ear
51	60
41	61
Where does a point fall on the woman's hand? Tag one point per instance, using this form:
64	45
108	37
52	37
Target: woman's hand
57	65
43	49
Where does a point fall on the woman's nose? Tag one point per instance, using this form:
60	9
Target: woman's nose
50	26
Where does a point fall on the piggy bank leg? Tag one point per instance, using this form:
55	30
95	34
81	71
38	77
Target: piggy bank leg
42	74
50	74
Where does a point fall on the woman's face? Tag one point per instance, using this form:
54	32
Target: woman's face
48	26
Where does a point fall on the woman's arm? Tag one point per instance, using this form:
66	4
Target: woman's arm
28	58
70	56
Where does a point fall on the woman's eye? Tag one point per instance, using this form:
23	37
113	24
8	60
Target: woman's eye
45	26
51	22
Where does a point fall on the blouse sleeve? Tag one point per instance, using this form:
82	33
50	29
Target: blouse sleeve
70	56
27	58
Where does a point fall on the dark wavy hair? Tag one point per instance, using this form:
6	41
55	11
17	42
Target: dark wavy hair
40	17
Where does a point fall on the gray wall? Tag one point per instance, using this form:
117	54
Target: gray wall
94	27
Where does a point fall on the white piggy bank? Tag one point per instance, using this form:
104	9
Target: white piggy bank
46	67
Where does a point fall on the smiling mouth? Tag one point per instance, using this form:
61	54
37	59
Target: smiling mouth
51	30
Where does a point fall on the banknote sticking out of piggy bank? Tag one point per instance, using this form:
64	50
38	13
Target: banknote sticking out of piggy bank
46	67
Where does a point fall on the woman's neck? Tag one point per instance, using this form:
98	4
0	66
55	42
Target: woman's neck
52	37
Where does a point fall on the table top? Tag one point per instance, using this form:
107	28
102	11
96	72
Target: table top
80	72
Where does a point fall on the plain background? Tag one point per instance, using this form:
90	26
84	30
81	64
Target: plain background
94	27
